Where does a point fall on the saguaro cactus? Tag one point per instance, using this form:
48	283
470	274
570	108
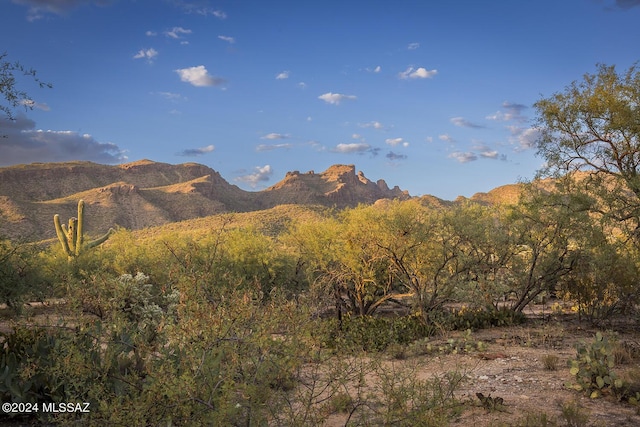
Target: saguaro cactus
72	238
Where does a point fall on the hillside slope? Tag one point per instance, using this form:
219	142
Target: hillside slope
145	194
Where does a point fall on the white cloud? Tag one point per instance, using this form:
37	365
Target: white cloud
377	69
275	136
37	8
271	147
199	76
356	136
373	124
228	39
176	32
22	143
446	137
462	122
151	33
283	75
413	46
31	104
356	147
489	154
147	54
170	96
511	111
302	85
395	141
525	139
463	157
199	9
193	152
335	98
419	73
219	14
260	174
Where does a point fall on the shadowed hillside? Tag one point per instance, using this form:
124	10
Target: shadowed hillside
145	194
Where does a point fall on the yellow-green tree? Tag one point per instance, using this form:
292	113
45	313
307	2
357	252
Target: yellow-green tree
424	253
593	126
344	262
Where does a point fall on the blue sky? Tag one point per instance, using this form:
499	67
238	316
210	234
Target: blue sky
433	96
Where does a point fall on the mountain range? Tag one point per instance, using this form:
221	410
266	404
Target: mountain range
145	194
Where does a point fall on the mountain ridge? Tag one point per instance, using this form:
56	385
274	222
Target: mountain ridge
145	193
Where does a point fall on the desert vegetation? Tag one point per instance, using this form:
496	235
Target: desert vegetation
326	316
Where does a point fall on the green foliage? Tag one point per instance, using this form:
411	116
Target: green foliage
574	415
341	402
409	401
408	234
371	333
21	279
604	279
534	419
593	126
482	318
593	368
26	355
465	344
344	263
550	362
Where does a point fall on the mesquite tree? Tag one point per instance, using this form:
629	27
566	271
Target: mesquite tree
594	127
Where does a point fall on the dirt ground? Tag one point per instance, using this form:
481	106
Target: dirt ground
511	366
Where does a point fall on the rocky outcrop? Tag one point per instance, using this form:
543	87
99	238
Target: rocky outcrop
338	186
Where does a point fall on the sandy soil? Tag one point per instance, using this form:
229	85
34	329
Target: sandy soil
511	365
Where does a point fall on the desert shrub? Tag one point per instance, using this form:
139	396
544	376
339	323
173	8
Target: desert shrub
574	414
126	253
372	333
152	359
533	419
26	354
604	280
481	318
550	362
63	364
20	275
474	318
405	400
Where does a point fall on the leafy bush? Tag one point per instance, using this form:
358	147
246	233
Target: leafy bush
20	275
371	333
26	355
484	318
